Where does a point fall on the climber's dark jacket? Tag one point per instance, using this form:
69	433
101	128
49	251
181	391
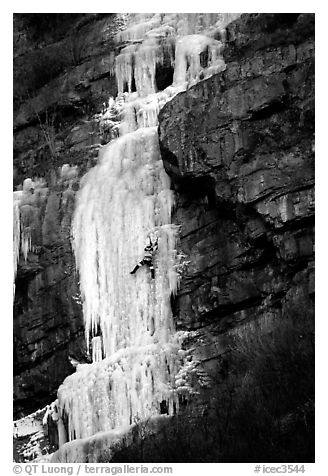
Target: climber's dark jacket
150	249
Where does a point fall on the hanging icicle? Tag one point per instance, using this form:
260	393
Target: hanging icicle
96	349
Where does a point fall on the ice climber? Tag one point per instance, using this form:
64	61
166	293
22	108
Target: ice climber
150	249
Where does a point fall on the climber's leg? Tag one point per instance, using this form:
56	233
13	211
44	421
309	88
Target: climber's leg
137	267
152	271
152	326
149	263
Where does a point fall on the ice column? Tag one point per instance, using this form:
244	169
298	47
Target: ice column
96	349
121	201
26	216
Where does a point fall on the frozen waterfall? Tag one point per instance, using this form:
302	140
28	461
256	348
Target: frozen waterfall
124	198
121	200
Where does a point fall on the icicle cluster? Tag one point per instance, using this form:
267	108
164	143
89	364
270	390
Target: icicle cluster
26	216
28	204
197	40
53	414
196	57
112	393
162	25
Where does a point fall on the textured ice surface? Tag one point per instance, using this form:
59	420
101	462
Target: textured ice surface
190	42
124	198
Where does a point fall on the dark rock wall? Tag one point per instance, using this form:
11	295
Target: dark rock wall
60	82
240	150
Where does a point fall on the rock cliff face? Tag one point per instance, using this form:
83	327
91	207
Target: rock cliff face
62	77
240	150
